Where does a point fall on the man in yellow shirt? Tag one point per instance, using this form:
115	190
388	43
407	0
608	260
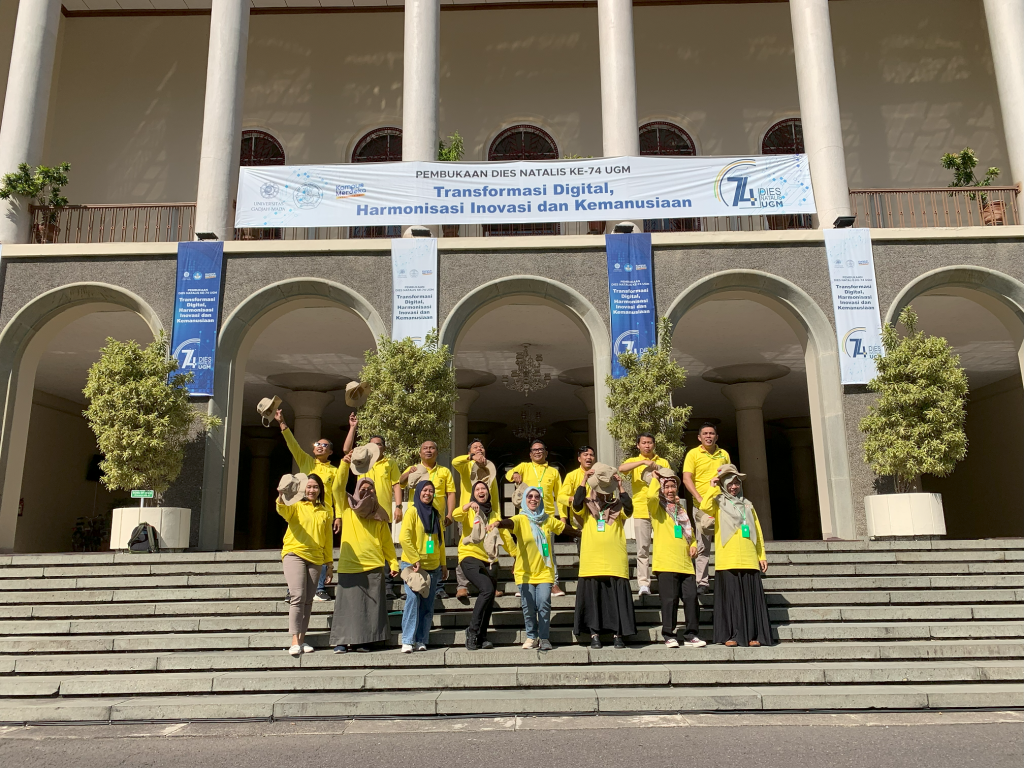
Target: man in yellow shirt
587	457
538	474
441	477
699	467
635	467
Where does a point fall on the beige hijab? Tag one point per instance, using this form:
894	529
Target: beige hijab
364	501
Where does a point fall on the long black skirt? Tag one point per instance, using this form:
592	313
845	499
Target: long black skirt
741	613
360	610
605	604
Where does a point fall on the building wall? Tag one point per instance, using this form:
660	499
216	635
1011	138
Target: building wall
915	80
8	14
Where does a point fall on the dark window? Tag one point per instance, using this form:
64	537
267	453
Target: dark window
666	139
260	148
380	146
522	142
786	137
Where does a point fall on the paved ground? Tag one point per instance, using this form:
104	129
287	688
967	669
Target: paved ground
877	740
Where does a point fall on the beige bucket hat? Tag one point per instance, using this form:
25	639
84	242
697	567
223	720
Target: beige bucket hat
662	472
267	407
419	474
482	474
364	457
356	394
603	479
729	469
292	488
417	581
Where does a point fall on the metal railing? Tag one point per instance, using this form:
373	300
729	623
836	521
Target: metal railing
137	223
939	207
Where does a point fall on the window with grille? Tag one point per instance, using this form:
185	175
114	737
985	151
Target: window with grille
667	139
786	137
380	146
522	142
260	148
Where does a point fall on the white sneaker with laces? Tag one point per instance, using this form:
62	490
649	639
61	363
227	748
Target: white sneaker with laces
695	643
307	648
545	645
295	650
406	648
529	644
644	590
671	642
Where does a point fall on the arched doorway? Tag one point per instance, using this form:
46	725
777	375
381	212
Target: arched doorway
45	352
756	343
980	313
270	344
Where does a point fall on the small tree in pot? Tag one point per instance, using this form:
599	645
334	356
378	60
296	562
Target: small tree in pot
450	153
42	185
917	425
993	213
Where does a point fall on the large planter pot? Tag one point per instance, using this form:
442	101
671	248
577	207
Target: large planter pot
172	524
905	514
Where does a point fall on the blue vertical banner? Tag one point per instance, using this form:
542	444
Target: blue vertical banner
197	312
630	295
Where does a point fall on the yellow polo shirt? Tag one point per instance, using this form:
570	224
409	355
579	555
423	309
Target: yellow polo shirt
671	555
463	465
704	466
309	533
540	476
466	517
365	544
385	475
413	539
638	490
603	553
572	481
309	465
530	566
444	484
738	552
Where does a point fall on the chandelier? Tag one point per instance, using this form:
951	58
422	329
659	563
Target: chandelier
526	377
528	424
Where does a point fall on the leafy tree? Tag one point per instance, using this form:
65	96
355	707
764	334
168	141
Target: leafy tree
139	410
641	401
452	151
41	184
412	395
917	425
962	164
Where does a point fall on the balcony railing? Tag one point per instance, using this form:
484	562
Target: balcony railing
141	223
941	207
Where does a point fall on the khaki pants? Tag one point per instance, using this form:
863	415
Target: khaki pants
302	577
643	532
700	563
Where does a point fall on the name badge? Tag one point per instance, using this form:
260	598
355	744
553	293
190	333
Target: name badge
430	546
679	531
600	526
745	531
544	548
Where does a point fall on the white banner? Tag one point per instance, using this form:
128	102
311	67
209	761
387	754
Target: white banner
851	272
414	287
378	194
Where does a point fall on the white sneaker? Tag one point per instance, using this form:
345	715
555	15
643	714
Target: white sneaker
644	590
545	645
307	648
295	650
421	646
530	644
406	648
695	643
671	642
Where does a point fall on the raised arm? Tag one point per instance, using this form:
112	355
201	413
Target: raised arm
350	438
304	460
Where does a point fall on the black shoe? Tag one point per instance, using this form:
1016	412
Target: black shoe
472	643
595	642
389	595
322	596
619	642
702	590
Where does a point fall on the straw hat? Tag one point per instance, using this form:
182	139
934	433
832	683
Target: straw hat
267	407
364	457
356	394
603	479
292	488
418	475
482	474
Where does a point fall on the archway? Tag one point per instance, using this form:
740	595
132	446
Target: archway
814	397
233	400
981	313
54	317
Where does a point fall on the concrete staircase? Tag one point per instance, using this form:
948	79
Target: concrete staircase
199	635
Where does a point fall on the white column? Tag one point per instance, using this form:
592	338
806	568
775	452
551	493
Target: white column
421	82
748	397
586	396
28	98
308	408
819	108
460	420
222	118
619	127
1006	31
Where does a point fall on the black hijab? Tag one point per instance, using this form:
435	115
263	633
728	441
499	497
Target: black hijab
429	517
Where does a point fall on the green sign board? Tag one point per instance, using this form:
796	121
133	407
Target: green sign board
142	494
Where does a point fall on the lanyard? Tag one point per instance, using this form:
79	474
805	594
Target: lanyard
540	483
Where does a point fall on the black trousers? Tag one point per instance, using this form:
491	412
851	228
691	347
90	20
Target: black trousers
672	587
482	576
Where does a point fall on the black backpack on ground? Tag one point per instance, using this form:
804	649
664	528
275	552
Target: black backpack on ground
143	539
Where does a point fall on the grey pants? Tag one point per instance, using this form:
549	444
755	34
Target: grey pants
643	532
302	577
700	563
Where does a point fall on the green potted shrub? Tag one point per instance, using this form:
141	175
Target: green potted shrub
916	427
42	185
962	164
140	412
451	152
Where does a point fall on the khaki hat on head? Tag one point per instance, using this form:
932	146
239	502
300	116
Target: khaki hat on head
603	479
292	488
364	457
417	476
356	394
267	407
482	474
663	472
729	469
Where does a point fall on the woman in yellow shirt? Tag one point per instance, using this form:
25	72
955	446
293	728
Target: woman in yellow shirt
604	601
535	566
422	540
741	614
365	556
308	545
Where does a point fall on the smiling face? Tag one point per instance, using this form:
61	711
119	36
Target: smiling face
322	449
532	501
312	490
480	493
733	486
538	453
646	446
427	494
670	488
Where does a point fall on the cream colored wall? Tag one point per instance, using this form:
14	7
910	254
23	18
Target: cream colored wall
915	81
8	14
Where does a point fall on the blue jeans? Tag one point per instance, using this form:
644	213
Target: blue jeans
323	578
536	609
418	614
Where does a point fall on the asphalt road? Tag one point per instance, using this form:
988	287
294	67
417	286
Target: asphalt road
911	740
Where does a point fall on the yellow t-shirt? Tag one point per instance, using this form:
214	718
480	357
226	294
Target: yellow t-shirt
414	542
530	566
638	490
572	481
738	552
466	517
365	544
310	465
540	476
603	553
671	555
463	465
309	533
385	475
444	484
704	466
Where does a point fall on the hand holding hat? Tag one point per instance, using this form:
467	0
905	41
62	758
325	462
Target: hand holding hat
603	479
418	475
364	457
292	488
267	408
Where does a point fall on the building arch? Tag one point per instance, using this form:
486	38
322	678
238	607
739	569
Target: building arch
237	336
567	300
828	425
22	344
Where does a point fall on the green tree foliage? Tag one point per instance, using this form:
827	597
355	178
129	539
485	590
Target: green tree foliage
452	151
41	184
917	425
962	164
641	401
412	395
139	410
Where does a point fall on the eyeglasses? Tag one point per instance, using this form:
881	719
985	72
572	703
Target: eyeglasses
321	445
536	450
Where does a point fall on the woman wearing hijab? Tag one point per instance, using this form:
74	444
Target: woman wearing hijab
366	557
604	601
741	614
308	545
534	570
422	540
478	557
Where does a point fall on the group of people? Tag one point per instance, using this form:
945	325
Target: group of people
591	504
